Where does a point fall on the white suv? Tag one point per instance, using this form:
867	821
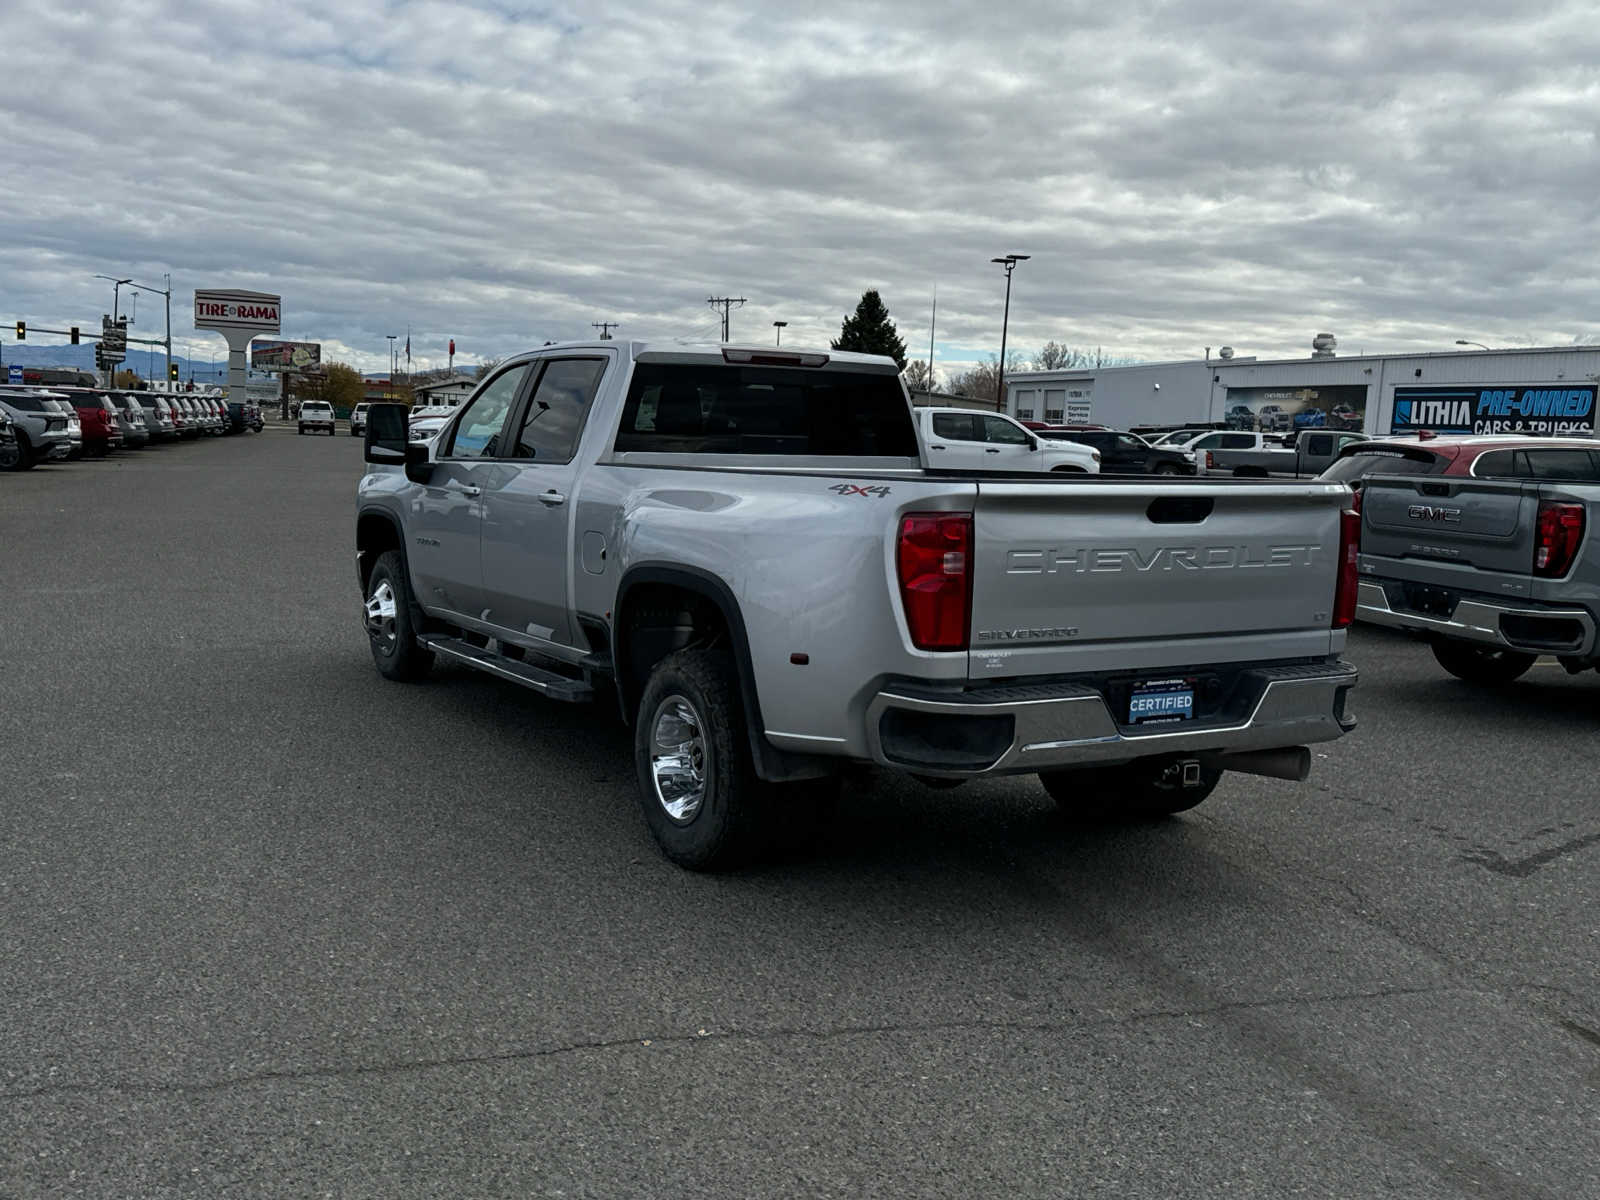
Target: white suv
316	414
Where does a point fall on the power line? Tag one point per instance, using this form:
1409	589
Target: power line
727	303
605	328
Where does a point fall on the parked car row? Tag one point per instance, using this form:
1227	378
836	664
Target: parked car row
52	424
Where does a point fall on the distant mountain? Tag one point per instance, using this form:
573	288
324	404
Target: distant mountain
139	359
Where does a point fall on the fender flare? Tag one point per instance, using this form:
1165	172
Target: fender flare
771	763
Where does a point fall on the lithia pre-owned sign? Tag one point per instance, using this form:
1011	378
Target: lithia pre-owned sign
222	309
1550	408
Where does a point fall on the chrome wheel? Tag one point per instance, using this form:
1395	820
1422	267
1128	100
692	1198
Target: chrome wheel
381	613
678	763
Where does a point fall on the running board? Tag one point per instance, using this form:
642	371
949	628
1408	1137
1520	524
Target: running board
546	683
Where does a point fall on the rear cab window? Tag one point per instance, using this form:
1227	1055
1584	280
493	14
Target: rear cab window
739	409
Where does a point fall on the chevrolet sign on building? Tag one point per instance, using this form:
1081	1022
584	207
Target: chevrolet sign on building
256	312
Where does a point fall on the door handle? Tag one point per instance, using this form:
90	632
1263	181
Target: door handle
935	447
468	489
991	450
552	497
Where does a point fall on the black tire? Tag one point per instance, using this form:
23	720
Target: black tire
25	455
1068	471
1166	469
730	822
1482	664
12	456
1139	791
395	650
300	429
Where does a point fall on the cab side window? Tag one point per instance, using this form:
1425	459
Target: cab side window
477	433
1000	432
957	426
558	409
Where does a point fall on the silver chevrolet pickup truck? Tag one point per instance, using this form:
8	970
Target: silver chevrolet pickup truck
745	549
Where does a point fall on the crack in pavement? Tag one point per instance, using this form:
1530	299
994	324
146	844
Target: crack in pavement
1521	868
731	1035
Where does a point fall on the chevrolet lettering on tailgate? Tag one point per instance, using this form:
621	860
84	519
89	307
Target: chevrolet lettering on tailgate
1103	560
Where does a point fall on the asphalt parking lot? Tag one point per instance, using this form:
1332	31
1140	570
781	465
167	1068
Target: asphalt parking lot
271	925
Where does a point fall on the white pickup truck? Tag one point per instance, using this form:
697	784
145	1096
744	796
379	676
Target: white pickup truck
960	439
747	551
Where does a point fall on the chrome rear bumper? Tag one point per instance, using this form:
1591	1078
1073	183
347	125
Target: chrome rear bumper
1055	726
1484	621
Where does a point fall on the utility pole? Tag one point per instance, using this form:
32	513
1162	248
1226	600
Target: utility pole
933	323
727	302
605	328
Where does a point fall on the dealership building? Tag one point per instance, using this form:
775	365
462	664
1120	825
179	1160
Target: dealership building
1538	390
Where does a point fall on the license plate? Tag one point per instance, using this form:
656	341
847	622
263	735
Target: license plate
1161	700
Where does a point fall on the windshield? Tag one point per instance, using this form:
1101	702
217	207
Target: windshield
1394	460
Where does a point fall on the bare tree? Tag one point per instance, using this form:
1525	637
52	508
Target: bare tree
918	377
982	380
488	365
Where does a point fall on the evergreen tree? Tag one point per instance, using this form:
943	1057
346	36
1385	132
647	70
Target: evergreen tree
870	331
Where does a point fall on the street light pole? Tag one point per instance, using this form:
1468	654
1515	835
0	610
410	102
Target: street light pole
1464	342
388	391
167	293
1009	262
779	326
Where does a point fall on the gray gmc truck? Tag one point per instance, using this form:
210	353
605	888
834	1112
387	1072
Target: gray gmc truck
1493	572
746	551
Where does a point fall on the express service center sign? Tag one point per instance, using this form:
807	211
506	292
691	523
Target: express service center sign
256	312
1542	408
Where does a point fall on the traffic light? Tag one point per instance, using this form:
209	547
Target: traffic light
74	335
22	331
172	370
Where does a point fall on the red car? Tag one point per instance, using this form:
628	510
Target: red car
98	416
1486	456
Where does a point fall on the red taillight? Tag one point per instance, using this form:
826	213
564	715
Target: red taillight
1344	592
934	560
1559	534
1211	461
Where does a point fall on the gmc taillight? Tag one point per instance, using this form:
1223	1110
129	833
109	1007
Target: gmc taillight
934	560
1211	461
1349	582
1557	537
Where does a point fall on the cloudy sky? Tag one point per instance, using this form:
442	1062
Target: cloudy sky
1183	174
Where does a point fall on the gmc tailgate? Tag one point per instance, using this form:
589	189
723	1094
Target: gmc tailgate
1115	575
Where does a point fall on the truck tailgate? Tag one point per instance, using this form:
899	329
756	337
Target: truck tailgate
1449	522
1152	573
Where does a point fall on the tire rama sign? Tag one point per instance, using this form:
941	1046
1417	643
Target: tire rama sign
1540	408
257	312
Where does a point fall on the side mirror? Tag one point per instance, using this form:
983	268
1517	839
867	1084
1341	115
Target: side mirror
386	439
1033	443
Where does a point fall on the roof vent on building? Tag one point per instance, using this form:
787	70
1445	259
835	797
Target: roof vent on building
1324	345
1225	352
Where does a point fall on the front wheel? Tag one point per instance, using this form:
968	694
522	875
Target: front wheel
1166	469
300	429
24	458
395	649
1138	791
1482	664
698	789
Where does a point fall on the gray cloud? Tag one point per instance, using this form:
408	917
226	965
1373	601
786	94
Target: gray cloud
1183	174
